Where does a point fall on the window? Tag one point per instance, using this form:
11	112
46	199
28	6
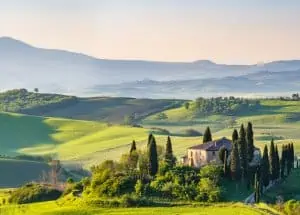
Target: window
213	153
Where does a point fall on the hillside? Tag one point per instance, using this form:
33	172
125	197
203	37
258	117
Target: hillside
110	109
20	172
272	119
61	71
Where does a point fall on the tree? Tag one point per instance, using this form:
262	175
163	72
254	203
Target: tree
133	146
207	137
250	142
283	162
186	105
235	167
277	162
36	90
272	161
169	157
153	158
222	154
129	119
289	158
265	167
257	188
149	139
235	136
242	149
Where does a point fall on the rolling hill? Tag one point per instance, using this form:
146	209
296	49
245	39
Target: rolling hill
110	109
61	71
20	172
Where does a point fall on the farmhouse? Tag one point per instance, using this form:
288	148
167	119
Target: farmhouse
203	154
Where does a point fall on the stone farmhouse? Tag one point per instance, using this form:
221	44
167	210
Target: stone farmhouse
203	154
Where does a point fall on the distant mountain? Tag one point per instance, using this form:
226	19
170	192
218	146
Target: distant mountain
259	84
57	71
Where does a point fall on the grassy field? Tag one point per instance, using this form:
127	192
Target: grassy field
17	172
275	119
56	208
112	110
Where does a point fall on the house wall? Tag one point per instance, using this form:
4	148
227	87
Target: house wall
202	157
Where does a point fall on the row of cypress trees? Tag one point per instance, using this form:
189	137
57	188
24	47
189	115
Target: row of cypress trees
242	152
272	167
152	155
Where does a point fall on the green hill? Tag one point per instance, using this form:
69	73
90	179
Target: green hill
109	109
18	172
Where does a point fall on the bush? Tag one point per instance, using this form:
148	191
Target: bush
191	133
34	193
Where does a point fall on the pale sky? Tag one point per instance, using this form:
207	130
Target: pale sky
225	31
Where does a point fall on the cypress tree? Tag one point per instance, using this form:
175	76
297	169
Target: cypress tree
257	188
207	137
289	158
133	146
277	163
235	166
149	139
250	142
293	153
265	167
282	162
272	161
242	144
235	136
153	158
169	158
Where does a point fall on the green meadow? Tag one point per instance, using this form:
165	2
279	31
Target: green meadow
76	207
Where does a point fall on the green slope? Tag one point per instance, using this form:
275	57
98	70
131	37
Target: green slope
274	119
18	172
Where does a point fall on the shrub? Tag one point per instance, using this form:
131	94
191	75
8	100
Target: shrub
191	133
33	193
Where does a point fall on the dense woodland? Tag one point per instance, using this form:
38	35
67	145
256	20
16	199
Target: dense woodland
224	105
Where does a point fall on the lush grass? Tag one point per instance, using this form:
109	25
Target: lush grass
56	208
112	109
65	139
275	119
17	172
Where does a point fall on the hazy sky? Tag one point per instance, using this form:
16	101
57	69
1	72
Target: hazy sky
225	31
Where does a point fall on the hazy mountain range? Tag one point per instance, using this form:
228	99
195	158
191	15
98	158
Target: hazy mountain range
25	66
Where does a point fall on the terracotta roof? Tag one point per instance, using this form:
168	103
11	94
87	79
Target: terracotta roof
214	145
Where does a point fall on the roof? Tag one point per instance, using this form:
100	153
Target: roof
214	145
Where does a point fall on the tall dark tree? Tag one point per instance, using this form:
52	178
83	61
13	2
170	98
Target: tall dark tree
292	152
235	136
242	148
169	157
265	167
250	142
283	162
272	161
133	147
207	135
289	158
257	188
235	166
153	157
277	162
149	139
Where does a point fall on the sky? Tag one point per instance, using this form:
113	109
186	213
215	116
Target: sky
224	31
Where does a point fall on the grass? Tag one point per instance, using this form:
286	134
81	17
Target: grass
18	172
275	119
55	208
112	109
